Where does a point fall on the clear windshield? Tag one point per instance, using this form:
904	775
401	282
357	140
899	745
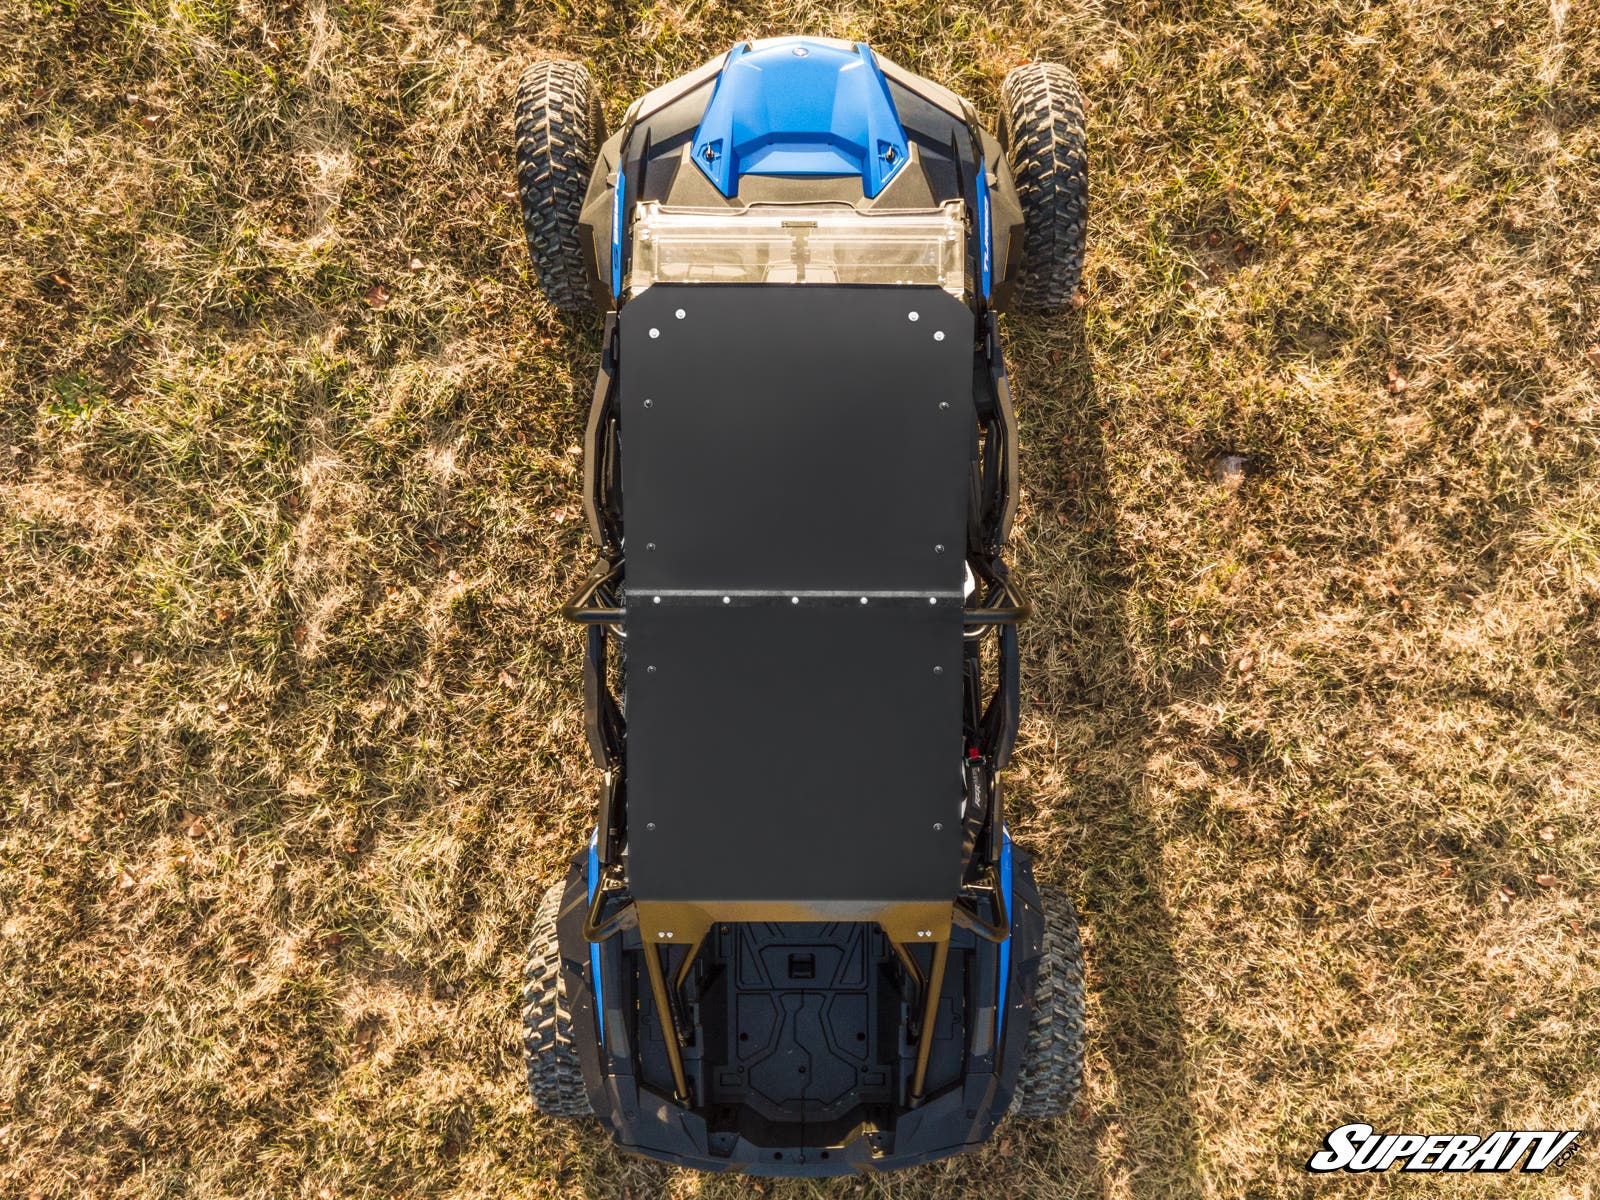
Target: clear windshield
798	244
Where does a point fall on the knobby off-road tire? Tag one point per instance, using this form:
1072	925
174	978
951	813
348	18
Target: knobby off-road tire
1052	1058
560	128
1044	137
555	1077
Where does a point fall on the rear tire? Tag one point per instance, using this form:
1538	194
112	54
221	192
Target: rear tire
555	1077
560	127
1043	130
1052	1057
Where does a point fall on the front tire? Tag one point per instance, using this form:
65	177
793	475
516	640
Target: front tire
1043	130
1052	1056
560	128
555	1077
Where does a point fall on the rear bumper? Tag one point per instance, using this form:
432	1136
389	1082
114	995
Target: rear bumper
739	1121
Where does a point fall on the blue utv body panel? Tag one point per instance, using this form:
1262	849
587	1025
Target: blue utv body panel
619	222
597	982
1005	946
800	106
985	234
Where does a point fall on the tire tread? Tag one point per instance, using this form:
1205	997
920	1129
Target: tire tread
1048	150
1052	1064
559	129
555	1076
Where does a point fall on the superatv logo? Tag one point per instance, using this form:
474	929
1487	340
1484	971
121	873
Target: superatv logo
1358	1148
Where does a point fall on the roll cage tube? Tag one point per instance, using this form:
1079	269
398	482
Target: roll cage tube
598	599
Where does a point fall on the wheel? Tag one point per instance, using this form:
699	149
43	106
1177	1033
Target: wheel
1052	1056
559	131
1043	133
554	1075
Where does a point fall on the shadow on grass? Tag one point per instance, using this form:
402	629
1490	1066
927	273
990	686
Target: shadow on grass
1081	805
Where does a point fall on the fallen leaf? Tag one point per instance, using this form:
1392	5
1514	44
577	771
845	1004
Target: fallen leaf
378	296
1508	1013
414	265
1397	381
126	881
150	120
1593	355
195	828
1547	834
1247	664
1506	895
507	679
333	940
1545	880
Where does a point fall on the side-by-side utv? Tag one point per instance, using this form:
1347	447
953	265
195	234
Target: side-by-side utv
800	940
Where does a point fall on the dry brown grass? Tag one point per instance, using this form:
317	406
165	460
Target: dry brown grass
290	739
